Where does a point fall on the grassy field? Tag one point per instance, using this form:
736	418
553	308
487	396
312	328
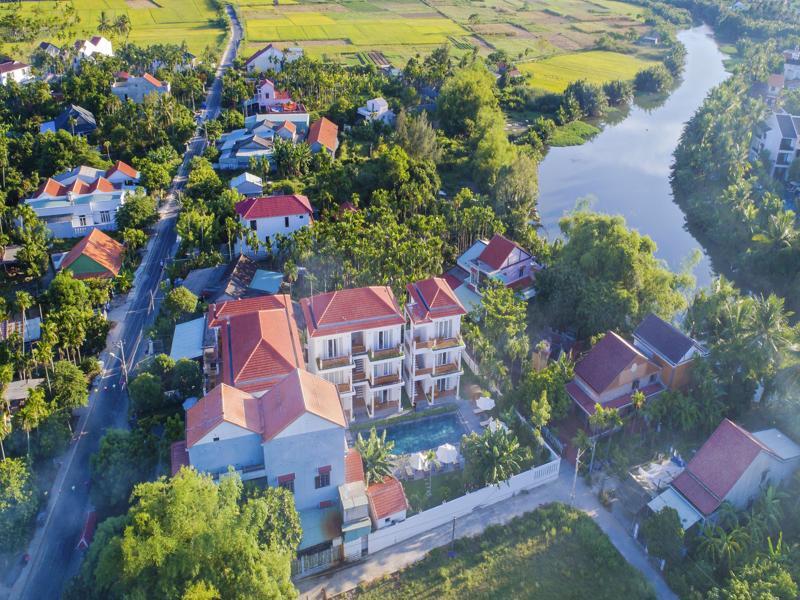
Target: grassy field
553	552
175	21
554	74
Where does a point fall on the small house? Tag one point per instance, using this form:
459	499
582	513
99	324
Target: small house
668	347
268	216
13	70
323	135
136	89
500	260
74	119
96	256
387	503
247	184
377	109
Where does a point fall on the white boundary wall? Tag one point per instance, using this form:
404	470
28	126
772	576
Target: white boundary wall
446	512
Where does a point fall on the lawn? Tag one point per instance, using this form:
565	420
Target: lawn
444	487
175	21
553	552
597	66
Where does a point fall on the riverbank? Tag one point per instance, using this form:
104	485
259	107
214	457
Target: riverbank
625	170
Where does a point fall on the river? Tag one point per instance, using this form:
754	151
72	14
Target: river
625	169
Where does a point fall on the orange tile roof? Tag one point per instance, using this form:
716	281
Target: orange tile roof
78	187
386	498
101	184
51	188
150	79
353	466
124	168
298	393
325	132
433	299
258	343
102	249
352	309
223	404
288	125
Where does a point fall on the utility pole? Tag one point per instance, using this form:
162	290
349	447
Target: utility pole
575	475
122	360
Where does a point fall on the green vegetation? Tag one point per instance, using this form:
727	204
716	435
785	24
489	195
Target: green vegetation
553	552
376	454
443	487
598	66
573	134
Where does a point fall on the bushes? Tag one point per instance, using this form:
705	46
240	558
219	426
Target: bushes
652	80
18	503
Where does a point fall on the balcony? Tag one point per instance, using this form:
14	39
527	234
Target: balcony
446	369
359	376
344	388
325	364
386	353
358	349
385	380
435	344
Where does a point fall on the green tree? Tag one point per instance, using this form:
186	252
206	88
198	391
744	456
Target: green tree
652	80
69	389
187	378
462	97
138	212
515	194
179	301
33	412
124	459
417	137
376	454
280	528
762	579
146	394
492	457
663	534
18	502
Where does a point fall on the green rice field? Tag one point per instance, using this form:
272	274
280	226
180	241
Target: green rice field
554	74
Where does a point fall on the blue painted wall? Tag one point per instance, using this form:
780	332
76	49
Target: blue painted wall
215	457
303	455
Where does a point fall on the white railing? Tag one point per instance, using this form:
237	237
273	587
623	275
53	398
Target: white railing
446	512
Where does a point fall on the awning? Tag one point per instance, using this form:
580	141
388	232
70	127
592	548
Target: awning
688	514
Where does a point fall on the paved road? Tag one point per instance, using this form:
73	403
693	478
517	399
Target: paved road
53	555
401	555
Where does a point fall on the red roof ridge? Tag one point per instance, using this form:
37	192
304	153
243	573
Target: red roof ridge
325	132
150	79
497	251
122	167
99	247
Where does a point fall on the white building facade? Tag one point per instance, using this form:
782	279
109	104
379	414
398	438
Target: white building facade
268	216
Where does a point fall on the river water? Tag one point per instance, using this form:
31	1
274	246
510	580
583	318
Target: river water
625	169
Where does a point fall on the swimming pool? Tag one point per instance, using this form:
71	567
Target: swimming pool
425	434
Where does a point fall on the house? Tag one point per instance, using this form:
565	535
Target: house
377	109
73	202
271	58
387	503
668	347
775	83
267	96
13	70
31	325
791	65
324	136
268	216
256	139
777	138
73	119
251	344
97	45
610	373
354	503
136	89
353	339
260	437
500	260
247	184
433	342
734	466
96	256
49	49
16	392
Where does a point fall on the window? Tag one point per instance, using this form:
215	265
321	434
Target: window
444	329
286	482
105	216
441	359
323	478
384	340
253	225
635	384
286	222
216	439
521	272
82	220
333	348
653	378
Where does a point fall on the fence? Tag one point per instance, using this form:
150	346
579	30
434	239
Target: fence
448	511
475	368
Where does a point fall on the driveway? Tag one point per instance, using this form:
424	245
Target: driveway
406	553
52	549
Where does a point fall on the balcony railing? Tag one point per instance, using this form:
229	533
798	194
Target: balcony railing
439	343
383	380
446	369
359	376
344	388
357	349
444	393
386	353
423	371
334	363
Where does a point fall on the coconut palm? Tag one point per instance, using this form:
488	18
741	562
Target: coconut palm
24	301
722	547
32	413
727	516
376	454
5	429
492	457
433	461
770	506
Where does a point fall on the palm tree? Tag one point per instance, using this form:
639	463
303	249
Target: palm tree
32	413
376	454
103	22
5	429
107	147
433	461
727	516
492	457
769	330
638	401
24	301
721	547
122	25
770	507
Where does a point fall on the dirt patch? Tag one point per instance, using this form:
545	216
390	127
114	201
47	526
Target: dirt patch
561	41
141	4
482	42
315	8
420	15
379	59
312	43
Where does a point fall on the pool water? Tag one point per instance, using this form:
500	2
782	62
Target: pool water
425	434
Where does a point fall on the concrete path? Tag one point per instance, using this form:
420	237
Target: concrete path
404	554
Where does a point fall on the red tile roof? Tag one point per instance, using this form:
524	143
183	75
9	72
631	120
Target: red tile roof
123	168
96	40
179	457
386	498
453	281
352	309
521	284
102	249
223	404
299	393
288	125
152	80
433	299
12	65
265	207
353	466
259	342
101	184
325	132
51	188
124	75
606	360
497	251
589	404
717	466
775	80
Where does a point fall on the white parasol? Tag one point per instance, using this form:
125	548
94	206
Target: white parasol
447	453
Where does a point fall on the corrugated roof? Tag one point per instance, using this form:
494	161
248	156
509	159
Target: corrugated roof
102	249
352	309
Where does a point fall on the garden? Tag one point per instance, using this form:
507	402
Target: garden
553	552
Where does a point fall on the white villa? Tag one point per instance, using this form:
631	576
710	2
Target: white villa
271	215
502	260
778	137
272	58
433	342
13	70
353	339
129	87
267	96
377	109
96	45
84	198
256	139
